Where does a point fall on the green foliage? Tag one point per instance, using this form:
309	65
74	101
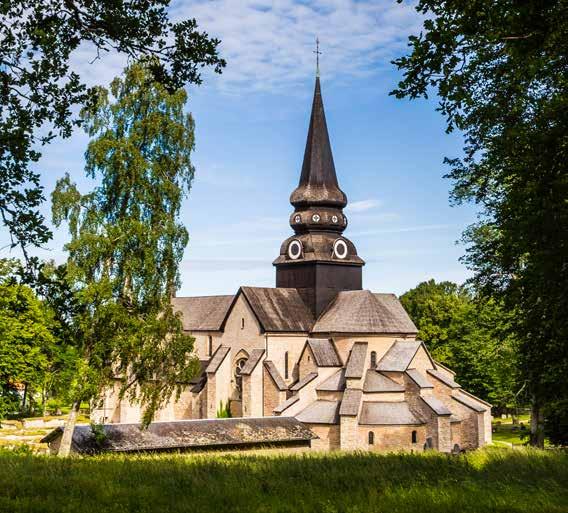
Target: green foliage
99	435
501	73
224	410
519	481
556	422
38	90
126	243
29	351
471	335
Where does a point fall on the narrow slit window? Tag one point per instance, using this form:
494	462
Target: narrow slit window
286	365
242	323
414	437
210	347
371	438
373	359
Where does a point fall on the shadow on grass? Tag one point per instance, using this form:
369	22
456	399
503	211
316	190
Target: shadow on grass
483	481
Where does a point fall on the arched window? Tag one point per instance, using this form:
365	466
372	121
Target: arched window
286	365
414	437
242	323
373	359
238	376
210	347
371	438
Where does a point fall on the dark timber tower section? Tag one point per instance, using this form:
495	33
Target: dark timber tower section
317	260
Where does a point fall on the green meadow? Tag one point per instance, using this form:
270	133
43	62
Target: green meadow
503	480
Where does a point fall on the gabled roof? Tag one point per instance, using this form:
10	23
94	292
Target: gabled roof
199	380
275	375
419	378
440	376
356	360
469	401
324	352
188	434
400	355
436	405
377	382
335	383
278	309
252	362
361	311
286	404
350	403
388	414
217	359
320	412
304	381
204	313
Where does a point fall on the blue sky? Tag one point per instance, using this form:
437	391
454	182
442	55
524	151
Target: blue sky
251	126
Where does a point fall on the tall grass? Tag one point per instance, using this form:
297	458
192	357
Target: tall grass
491	480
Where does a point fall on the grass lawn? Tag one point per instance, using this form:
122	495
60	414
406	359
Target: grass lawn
502	480
505	433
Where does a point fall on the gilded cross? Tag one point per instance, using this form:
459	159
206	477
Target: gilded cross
318	53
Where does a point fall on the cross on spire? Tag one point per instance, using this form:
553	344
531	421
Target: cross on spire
318	53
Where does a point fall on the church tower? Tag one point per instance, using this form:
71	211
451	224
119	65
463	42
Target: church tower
318	260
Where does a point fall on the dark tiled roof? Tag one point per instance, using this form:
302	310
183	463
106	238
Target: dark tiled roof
275	375
350	403
279	309
436	405
356	361
361	311
217	359
440	376
335	383
286	404
304	381
324	352
469	402
419	378
377	382
198	381
399	356
205	313
388	414
320	412
252	362
189	434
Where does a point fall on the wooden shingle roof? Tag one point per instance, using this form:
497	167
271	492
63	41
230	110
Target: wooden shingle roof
436	405
377	382
419	378
471	402
320	412
399	356
388	414
279	309
217	359
324	352
335	383
275	375
186	434
356	361
252	362
440	376
350	402
361	311
204	313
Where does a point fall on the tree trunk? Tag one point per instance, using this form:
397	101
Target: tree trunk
25	398
537	424
67	438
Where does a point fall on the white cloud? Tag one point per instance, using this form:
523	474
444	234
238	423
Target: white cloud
362	205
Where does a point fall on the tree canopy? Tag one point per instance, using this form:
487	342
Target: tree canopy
127	242
469	334
39	90
500	70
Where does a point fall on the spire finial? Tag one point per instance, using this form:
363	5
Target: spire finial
318	53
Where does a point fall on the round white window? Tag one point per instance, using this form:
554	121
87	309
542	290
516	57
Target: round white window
316	218
334	219
340	248
297	219
295	249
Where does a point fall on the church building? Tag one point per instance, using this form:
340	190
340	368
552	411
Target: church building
317	357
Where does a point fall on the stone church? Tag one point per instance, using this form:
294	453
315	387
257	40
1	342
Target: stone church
316	358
